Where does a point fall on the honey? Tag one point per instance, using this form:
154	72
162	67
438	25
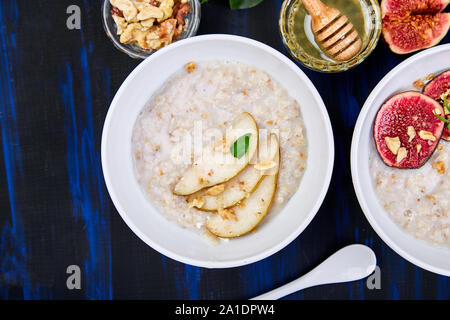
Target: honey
300	22
298	37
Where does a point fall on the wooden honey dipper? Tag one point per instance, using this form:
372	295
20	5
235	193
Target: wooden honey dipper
333	31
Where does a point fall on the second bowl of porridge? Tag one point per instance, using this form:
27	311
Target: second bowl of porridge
217	151
401	159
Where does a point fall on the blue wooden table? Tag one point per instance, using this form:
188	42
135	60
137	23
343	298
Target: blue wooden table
55	88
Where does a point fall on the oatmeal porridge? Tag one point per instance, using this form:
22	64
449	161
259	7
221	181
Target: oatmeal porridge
418	200
210	96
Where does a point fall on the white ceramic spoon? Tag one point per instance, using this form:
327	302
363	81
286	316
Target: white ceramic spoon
351	263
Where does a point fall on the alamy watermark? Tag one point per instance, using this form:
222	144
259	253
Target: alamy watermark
374	280
212	146
74	279
73	22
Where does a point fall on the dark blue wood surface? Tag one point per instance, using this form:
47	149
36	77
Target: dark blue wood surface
55	88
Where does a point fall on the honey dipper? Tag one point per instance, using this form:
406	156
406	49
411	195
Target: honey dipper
333	31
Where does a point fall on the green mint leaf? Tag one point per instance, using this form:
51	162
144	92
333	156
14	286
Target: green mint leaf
240	146
203	1
244	4
446	104
440	118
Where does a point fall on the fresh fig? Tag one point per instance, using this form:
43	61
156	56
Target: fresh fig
406	130
439	88
411	25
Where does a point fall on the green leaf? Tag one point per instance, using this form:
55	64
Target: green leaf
244	4
203	1
440	118
446	104
240	146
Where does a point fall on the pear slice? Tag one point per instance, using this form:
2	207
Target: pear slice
219	166
243	184
244	217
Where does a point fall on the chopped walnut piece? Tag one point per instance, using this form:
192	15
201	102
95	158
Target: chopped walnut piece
418	84
182	12
190	67
178	32
216	190
265	165
167	8
140	36
149	11
427	135
439	166
150	24
166	31
430	76
131	33
393	144
227	214
411	133
116	12
121	24
402	153
197	202
127	8
439	146
419	147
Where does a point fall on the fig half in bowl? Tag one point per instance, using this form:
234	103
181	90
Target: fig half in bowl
411	25
406	129
439	89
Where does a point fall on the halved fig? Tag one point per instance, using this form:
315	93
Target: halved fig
406	129
218	165
439	88
244	217
241	186
411	25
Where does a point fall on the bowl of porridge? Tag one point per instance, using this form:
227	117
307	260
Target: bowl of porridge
401	159
217	151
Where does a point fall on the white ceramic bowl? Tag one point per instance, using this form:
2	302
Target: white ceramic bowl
166	236
400	79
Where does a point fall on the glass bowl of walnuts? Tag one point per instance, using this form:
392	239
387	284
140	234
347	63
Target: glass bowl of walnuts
141	27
